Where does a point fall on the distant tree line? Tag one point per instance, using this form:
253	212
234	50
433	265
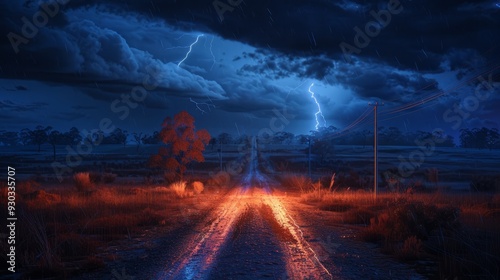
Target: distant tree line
48	135
391	136
479	138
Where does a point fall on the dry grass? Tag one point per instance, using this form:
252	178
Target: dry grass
179	188
459	231
84	223
296	182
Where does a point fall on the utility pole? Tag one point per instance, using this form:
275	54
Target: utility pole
309	158
375	149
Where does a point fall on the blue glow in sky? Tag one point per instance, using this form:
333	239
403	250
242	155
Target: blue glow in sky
235	73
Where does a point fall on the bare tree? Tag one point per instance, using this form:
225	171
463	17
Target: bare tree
137	138
55	138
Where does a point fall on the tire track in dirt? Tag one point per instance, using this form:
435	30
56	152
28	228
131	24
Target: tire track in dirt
266	242
200	254
253	251
302	261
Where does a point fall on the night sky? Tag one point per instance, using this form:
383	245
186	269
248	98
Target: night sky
435	64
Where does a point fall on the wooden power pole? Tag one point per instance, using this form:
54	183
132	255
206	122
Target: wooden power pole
375	149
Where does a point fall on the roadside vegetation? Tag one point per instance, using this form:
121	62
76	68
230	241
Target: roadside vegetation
68	226
458	232
66	229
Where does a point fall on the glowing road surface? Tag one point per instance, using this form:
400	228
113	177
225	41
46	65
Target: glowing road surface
201	256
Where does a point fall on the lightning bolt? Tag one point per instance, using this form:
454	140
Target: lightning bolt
200	104
211	52
190	49
319	107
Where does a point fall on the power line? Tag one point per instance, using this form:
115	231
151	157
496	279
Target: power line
401	110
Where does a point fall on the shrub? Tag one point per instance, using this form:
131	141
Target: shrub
179	188
197	187
83	182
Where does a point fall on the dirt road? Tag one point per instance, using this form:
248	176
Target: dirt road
250	236
253	233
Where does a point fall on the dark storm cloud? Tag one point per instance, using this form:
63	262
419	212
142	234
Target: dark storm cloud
255	96
414	39
89	51
116	92
8	105
463	61
383	82
418	38
281	66
104	48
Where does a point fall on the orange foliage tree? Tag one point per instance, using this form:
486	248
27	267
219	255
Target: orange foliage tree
182	145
